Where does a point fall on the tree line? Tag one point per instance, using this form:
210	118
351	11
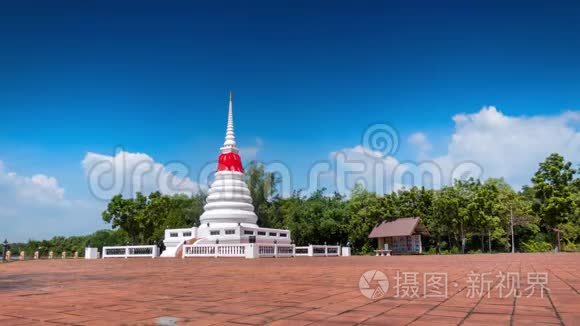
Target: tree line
467	216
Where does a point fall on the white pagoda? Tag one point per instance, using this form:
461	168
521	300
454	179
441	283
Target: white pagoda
228	216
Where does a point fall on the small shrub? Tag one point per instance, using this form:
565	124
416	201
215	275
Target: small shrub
478	251
570	246
452	251
367	249
536	246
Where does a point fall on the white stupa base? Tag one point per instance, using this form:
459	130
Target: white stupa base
175	239
222	233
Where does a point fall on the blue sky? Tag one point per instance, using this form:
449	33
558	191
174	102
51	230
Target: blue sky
308	79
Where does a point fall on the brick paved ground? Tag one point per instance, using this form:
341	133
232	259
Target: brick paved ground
298	291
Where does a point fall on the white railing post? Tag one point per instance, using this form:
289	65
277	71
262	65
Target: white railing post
216	251
126	252
310	250
252	251
90	253
345	251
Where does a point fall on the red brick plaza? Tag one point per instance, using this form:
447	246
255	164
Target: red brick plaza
289	291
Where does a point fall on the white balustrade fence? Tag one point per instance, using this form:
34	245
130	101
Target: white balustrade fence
267	250
302	251
231	250
217	250
333	250
130	251
324	250
199	251
249	250
275	250
285	251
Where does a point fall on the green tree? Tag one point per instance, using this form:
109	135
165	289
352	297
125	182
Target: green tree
263	187
464	220
153	217
415	202
123	213
446	214
365	210
516	213
185	211
554	188
483	211
145	218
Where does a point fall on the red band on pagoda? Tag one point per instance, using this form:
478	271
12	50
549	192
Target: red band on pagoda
230	162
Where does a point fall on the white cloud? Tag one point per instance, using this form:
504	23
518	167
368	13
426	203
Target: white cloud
36	207
350	166
483	145
418	138
128	173
39	187
511	146
250	153
420	141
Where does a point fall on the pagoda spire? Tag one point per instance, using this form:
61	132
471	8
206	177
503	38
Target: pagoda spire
230	139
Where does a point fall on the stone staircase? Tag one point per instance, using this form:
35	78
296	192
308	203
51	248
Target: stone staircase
179	252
